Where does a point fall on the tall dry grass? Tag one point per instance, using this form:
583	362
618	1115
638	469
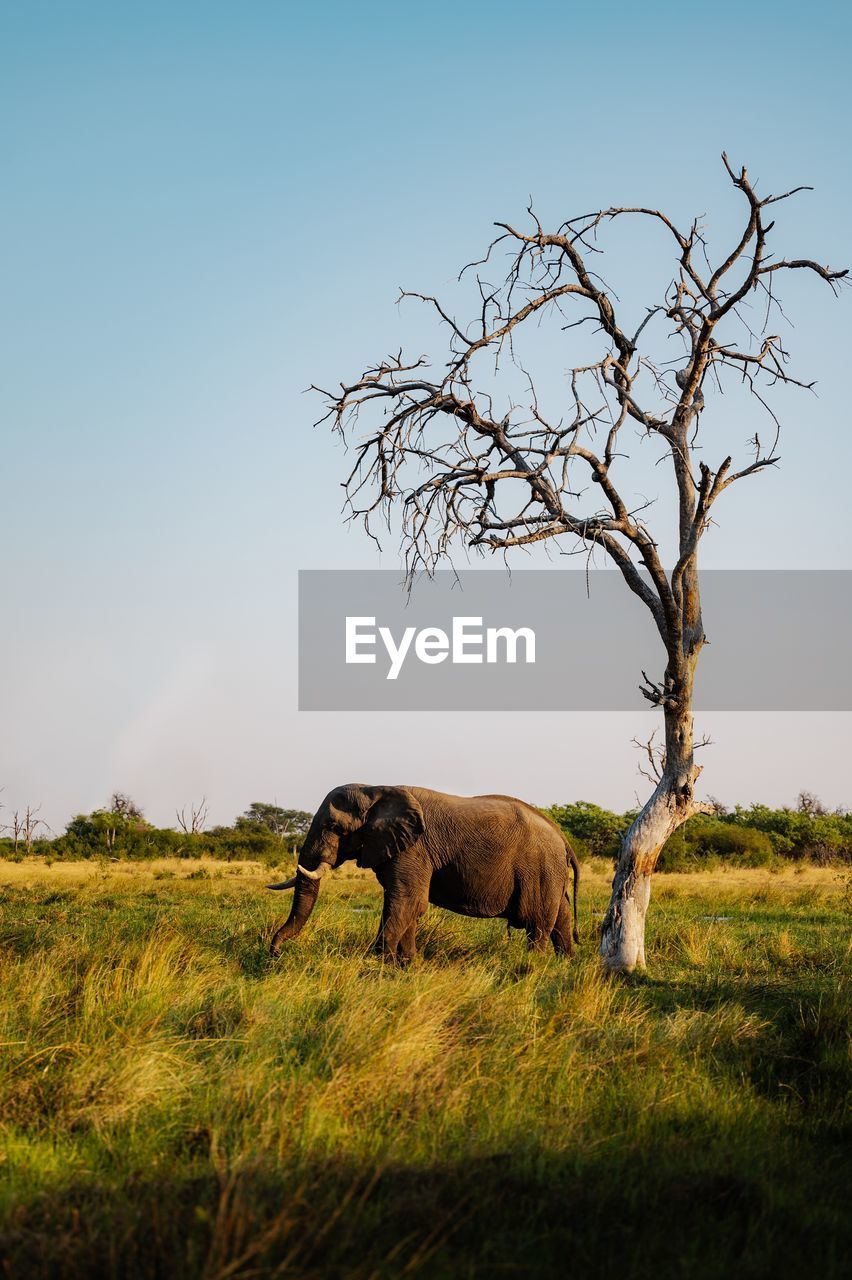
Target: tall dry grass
173	1103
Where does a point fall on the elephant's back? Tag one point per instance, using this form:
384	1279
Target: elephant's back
493	823
528	814
482	810
490	804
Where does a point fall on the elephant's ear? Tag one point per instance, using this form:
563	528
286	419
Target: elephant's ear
393	823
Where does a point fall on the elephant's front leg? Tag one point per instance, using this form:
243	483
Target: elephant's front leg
407	948
395	924
397	932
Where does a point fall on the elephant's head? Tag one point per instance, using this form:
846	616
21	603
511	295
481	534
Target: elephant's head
370	824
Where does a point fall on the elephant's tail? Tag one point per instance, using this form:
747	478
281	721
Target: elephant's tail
575	867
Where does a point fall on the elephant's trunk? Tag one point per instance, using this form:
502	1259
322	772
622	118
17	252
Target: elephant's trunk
307	892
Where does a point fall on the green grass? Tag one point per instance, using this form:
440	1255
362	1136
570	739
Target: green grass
174	1104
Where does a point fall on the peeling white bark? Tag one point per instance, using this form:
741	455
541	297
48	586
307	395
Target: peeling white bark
623	934
623	931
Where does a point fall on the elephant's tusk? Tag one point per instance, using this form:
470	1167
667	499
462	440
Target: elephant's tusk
310	875
314	875
285	884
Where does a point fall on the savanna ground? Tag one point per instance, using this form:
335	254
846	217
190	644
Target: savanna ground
175	1104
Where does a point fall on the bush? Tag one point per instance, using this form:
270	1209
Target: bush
591	830
705	841
800	833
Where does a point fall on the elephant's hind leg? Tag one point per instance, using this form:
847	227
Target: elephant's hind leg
561	935
539	930
536	937
537	916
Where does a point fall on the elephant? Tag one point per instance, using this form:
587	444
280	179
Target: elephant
488	856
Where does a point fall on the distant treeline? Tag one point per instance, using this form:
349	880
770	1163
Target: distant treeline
264	833
753	837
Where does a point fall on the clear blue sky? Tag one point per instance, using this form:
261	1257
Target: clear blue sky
209	206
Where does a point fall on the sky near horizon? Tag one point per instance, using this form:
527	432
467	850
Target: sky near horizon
209	207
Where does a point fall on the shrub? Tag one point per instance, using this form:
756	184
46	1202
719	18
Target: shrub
591	830
704	841
801	833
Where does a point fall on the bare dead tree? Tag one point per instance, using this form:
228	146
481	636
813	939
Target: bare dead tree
125	806
16	830
25	827
455	456
192	823
811	805
30	826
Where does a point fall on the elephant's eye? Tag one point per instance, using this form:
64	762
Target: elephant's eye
339	822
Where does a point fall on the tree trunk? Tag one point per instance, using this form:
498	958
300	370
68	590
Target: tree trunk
623	931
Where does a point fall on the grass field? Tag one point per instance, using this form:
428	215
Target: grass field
174	1104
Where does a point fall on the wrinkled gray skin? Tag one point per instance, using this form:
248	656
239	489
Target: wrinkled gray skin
483	856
